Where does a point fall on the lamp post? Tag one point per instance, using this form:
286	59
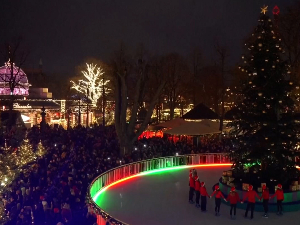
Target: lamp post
43	122
68	119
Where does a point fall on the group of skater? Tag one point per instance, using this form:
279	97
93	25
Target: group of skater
198	188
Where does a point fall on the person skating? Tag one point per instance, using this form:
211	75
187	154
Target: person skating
233	198
197	191
265	197
203	194
192	186
219	195
250	195
280	197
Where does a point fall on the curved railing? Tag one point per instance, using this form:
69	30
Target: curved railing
118	174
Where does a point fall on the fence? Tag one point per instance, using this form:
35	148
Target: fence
118	174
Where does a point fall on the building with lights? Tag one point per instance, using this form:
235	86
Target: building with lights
13	81
28	99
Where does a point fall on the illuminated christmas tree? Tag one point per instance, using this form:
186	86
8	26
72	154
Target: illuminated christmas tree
8	168
25	154
266	134
40	150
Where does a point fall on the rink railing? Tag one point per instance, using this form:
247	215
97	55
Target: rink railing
124	172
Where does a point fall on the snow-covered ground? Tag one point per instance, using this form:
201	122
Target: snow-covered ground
162	198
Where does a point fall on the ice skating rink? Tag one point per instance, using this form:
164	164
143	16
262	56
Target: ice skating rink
162	198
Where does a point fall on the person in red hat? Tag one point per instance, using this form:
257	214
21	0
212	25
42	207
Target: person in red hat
251	195
203	194
233	198
219	195
280	198
192	175
265	197
197	191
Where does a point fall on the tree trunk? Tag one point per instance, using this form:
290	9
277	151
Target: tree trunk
10	108
157	113
126	145
171	110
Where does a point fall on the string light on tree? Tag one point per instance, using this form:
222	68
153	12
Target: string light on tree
40	150
93	84
25	153
264	122
8	169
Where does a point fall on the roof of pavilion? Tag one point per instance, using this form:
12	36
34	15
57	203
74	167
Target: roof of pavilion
199	112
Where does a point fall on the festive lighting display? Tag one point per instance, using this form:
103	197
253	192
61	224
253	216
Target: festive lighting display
7	168
15	77
95	197
40	150
92	200
25	154
93	84
264	9
266	133
276	10
12	162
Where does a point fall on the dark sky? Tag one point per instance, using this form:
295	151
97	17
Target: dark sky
65	32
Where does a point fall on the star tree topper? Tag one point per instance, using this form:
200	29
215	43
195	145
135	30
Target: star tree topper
264	9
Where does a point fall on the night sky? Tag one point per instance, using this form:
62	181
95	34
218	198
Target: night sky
65	32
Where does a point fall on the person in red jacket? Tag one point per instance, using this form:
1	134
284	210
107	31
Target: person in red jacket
192	185
251	195
233	198
197	191
219	195
203	194
280	197
265	196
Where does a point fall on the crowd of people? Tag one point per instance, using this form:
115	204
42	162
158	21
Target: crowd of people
198	188
214	145
157	146
53	190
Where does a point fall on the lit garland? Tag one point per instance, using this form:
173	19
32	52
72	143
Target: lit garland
94	83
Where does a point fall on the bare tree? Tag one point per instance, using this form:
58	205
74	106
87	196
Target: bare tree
125	74
176	71
195	68
156	73
211	79
13	79
223	54
289	28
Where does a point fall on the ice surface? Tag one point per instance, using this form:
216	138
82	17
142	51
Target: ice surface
161	199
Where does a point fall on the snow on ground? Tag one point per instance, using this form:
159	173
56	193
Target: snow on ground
162	198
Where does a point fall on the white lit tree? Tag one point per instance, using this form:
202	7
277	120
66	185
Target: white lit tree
93	84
